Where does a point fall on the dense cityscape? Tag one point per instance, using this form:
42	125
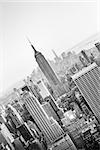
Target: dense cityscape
58	106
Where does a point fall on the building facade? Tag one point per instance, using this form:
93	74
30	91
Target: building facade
88	82
49	105
41	118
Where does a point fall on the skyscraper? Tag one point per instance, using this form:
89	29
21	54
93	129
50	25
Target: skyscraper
51	104
14	116
85	56
50	111
30	86
88	82
57	59
48	72
41	118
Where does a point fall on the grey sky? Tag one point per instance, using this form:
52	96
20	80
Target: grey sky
49	25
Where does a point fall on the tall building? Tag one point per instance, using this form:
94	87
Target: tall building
14	116
88	83
50	103
82	60
85	56
48	72
43	89
57	59
41	118
6	136
30	86
50	111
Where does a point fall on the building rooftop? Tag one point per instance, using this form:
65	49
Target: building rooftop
83	71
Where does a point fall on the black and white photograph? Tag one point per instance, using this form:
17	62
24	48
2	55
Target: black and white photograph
49	74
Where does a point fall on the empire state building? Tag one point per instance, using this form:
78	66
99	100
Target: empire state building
49	73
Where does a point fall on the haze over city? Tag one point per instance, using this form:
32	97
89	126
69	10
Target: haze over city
50	75
49	25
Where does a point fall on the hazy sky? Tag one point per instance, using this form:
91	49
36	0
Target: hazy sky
49	25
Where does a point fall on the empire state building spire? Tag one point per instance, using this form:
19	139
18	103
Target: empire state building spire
48	71
35	51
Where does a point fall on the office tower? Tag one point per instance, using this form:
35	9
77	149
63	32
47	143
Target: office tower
50	111
55	54
64	143
82	61
49	73
43	89
14	116
57	59
92	58
97	46
40	117
30	86
56	128
88	83
25	132
7	135
77	66
51	103
85	56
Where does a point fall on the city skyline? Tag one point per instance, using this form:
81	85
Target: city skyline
18	60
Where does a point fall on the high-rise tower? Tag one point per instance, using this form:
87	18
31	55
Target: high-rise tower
55	54
51	131
57	59
48	126
48	72
50	106
88	82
